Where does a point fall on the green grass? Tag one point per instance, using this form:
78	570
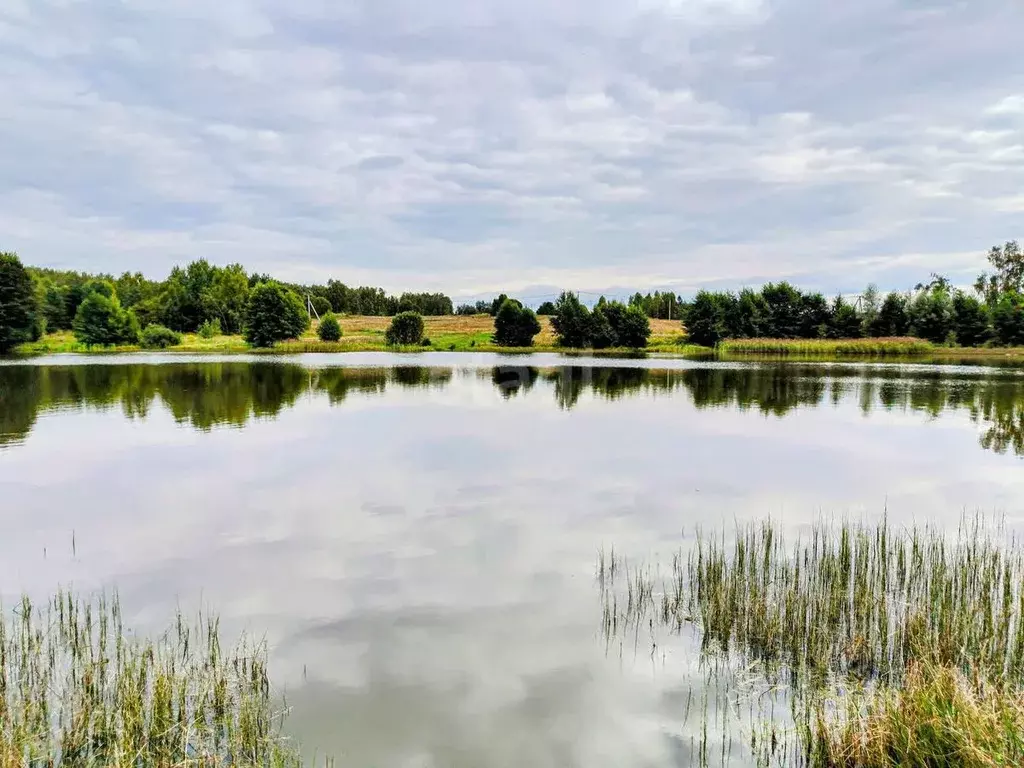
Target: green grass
886	646
896	347
76	688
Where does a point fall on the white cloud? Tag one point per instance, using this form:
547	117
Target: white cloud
471	150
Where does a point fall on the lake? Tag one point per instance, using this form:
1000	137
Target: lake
416	536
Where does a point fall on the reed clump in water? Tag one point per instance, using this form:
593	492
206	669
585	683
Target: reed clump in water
77	689
938	716
883	347
860	599
897	646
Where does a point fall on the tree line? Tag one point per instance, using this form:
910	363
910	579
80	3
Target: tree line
936	311
209	300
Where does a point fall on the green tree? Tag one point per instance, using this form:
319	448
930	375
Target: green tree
101	320
815	316
515	325
497	304
329	328
871	303
273	313
571	321
845	322
19	318
406	329
546	308
893	317
630	325
1008	277
55	307
705	320
750	314
931	313
1008	319
971	320
602	334
785	311
321	305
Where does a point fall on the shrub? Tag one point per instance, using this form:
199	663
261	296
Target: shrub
425	341
18	305
629	325
515	325
156	336
571	321
210	328
602	334
101	321
273	313
329	328
406	329
547	308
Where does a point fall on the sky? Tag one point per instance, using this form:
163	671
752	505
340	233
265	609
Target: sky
524	146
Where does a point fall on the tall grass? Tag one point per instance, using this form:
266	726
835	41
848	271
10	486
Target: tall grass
77	689
891	646
882	347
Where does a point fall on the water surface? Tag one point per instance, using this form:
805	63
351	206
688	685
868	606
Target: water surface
416	536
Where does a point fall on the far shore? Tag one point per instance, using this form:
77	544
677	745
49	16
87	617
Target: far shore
474	334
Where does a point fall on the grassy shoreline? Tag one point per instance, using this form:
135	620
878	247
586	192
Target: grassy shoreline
474	334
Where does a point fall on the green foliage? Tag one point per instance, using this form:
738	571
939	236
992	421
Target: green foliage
54	307
320	305
1008	319
202	292
155	336
19	310
931	313
572	321
515	325
329	328
602	335
496	304
1008	262
785	311
893	318
273	313
102	321
546	308
705	319
210	328
431	304
665	306
971	320
425	341
406	329
845	322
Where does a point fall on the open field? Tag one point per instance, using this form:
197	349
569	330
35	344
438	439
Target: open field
366	333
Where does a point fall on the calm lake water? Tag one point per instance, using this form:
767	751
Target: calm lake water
416	536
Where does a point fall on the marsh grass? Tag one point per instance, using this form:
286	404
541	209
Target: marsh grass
880	347
76	689
885	646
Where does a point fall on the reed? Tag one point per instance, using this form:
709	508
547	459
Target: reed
880	347
77	689
889	646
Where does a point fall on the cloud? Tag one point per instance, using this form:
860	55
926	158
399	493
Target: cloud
505	145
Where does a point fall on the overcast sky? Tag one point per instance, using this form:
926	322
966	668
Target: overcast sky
517	145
